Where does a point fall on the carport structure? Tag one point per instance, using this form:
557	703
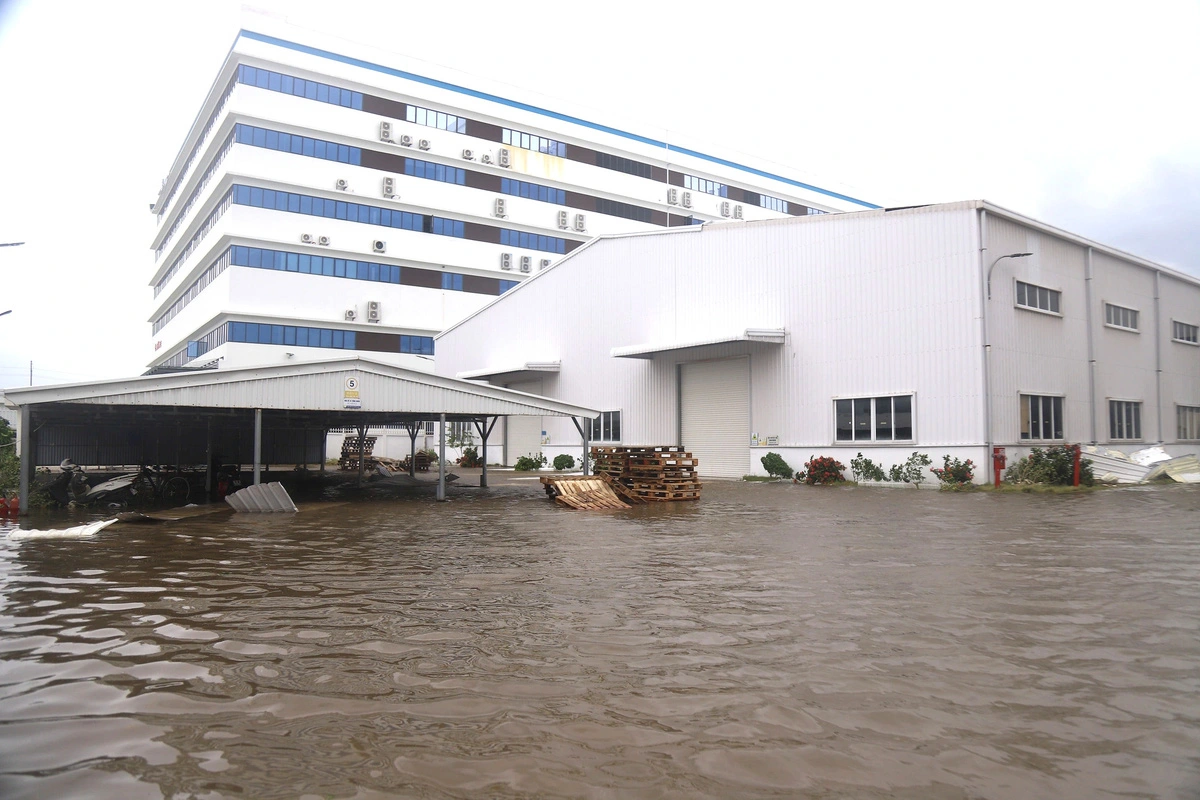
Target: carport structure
269	414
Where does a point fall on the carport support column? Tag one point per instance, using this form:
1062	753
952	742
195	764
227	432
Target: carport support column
208	465
583	434
257	446
25	477
441	490
485	430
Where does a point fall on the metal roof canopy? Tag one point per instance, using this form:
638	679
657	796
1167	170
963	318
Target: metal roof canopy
527	370
348	391
769	336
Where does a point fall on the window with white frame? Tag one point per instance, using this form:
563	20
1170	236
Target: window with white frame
1124	419
1183	332
1041	417
606	427
430	427
1187	419
1038	297
873	419
1120	317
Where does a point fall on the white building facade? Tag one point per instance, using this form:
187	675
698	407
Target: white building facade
944	330
330	200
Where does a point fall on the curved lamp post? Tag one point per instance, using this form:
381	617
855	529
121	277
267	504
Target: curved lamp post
993	266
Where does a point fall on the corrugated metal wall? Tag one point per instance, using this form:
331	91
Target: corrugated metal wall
109	446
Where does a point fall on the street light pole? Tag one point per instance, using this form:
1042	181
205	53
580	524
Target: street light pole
11	244
987	360
993	266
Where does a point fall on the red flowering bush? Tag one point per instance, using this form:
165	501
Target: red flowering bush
821	470
954	473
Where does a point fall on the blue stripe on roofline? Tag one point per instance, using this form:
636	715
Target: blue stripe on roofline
399	73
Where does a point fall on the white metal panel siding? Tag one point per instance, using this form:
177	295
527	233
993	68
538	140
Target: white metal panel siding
715	415
522	435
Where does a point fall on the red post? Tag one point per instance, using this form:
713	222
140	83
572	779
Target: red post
1077	457
998	462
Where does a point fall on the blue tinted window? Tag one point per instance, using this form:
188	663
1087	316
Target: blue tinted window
337	339
289	334
237	331
326	338
327	265
302	337
348	340
276	334
305	264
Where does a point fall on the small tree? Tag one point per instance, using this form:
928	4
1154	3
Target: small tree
564	461
775	466
10	464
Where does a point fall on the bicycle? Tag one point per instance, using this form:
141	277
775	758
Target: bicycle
154	482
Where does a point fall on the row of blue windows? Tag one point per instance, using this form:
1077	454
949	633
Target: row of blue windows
262	333
534	191
705	185
162	207
300	145
531	142
339	209
299	87
533	241
773	203
263	258
435	172
418	345
436	119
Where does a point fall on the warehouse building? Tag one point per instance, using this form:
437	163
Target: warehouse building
327	200
944	329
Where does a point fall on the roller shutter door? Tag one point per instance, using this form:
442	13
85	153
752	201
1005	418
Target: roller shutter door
523	435
715	415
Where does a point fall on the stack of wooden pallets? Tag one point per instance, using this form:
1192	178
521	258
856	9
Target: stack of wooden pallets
650	474
583	492
349	459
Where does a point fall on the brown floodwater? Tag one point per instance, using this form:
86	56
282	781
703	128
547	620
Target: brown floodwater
767	641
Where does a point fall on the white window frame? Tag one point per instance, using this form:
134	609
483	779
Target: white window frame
1192	426
1023	403
912	413
1017	282
598	425
1129	404
1117	326
1195	329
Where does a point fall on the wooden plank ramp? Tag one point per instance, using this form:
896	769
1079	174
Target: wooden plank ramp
586	493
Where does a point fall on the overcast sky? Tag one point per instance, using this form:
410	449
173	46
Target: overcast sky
1078	114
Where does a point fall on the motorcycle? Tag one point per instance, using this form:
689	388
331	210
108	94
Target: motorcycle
71	487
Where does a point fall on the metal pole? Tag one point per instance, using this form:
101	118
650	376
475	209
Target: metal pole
257	445
362	452
208	465
412	450
441	489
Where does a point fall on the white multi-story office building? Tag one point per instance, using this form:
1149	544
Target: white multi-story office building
328	199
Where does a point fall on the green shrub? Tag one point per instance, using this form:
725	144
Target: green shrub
563	461
865	469
10	464
955	474
469	458
775	466
1054	466
914	469
822	470
530	462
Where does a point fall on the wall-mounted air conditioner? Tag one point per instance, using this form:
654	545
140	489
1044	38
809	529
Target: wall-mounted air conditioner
737	211
306	238
323	241
351	315
469	154
685	199
424	144
373	311
506	261
564	220
379	246
580	223
389	187
724	208
504	157
545	263
673	196
500	209
486	158
526	263
341	185
405	140
385	131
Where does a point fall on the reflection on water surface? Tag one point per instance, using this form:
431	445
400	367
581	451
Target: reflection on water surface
770	640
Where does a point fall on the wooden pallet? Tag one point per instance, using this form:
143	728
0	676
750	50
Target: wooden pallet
649	474
583	493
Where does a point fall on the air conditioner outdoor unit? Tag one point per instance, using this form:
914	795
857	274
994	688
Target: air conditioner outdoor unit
341	185
506	261
385	131
686	200
501	207
564	220
673	196
379	246
725	208
307	238
486	158
545	263
526	263
351	315
389	187
405	140
503	157
580	223
424	144
324	241
737	212
373	311
468	154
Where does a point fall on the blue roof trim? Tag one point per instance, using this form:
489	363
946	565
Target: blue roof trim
399	73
